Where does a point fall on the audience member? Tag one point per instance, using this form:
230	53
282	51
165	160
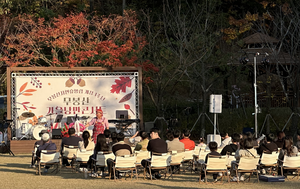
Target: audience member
107	134
47	145
233	147
202	143
155	145
114	139
144	143
226	140
246	150
36	145
169	136
136	138
101	146
213	147
72	140
267	146
250	135
279	140
288	148
119	149
87	143
188	144
175	144
298	141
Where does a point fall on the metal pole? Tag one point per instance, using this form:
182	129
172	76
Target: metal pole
255	96
215	127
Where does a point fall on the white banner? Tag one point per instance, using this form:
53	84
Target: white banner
48	95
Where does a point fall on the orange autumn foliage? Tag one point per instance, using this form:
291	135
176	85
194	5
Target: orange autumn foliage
76	40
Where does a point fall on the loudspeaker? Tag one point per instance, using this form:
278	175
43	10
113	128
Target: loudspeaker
56	133
215	103
210	138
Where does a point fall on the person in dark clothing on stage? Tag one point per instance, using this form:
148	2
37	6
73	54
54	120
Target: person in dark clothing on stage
155	145
231	148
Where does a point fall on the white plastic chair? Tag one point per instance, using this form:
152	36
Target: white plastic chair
49	157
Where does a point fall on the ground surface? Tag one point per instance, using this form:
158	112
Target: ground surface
15	173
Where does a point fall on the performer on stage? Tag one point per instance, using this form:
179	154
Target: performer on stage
100	124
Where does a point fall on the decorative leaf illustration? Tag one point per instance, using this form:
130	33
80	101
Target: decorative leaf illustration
23	87
27	94
32	107
127	107
25	107
121	85
30	90
25	102
126	97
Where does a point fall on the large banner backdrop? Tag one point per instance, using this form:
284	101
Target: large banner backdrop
47	95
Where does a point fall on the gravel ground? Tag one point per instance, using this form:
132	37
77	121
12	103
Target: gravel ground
15	173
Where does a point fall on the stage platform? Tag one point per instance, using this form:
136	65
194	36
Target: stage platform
27	146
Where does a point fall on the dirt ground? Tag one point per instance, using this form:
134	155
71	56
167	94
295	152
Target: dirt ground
15	173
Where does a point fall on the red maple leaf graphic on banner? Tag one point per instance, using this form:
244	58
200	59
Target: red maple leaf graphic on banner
121	84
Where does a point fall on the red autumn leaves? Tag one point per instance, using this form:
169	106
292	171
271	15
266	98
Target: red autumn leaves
76	40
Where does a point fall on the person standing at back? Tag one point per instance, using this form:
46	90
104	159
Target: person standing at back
188	143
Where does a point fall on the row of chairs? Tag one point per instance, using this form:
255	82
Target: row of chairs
246	164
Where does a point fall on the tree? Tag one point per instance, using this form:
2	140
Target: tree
285	26
75	41
181	39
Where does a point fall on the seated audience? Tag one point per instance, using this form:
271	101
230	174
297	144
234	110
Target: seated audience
169	136
175	144
136	138
250	135
226	140
107	134
87	143
119	149
213	147
47	145
233	147
114	139
267	146
155	145
36	145
144	143
279	140
188	144
72	140
298	141
246	150
101	146
202	143
288	149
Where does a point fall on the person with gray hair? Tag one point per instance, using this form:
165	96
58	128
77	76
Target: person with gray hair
47	145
